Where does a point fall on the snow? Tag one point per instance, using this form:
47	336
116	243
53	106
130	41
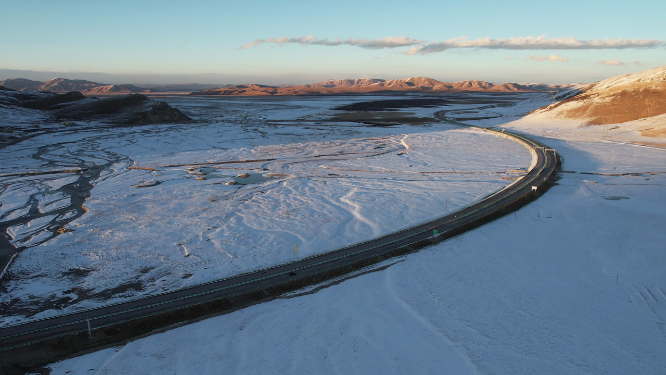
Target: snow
325	187
655	75
571	283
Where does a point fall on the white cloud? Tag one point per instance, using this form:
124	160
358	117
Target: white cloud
534	43
548	58
419	47
388	42
609	62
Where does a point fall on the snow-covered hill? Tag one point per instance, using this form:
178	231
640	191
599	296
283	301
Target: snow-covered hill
651	76
614	100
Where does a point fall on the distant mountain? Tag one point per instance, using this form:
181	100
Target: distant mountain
112	89
60	85
369	85
177	87
53	85
22	84
614	100
65	85
333	83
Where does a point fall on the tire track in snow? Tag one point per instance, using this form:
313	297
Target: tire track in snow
458	349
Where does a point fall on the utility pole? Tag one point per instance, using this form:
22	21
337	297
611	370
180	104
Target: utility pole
294	251
89	332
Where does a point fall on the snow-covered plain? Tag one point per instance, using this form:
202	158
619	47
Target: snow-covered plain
570	284
328	185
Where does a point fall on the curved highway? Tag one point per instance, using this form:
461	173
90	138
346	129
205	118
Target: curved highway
412	238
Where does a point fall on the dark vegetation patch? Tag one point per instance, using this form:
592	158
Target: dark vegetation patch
393	104
376	118
126	110
77	272
133	109
48	101
496	98
473	118
33	305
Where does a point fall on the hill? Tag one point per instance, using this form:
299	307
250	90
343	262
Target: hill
614	100
112	89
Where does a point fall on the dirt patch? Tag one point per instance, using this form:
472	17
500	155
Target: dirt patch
654	133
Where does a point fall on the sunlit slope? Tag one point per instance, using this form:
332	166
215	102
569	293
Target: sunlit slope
615	100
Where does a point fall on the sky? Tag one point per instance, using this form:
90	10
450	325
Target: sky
295	42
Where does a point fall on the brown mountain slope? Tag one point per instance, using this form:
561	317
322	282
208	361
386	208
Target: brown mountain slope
615	100
64	85
333	83
21	84
350	86
53	85
112	89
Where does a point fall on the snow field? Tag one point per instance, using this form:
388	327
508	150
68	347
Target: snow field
572	283
328	187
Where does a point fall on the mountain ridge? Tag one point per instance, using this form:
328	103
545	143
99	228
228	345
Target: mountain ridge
369	85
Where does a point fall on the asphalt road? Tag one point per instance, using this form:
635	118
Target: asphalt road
113	314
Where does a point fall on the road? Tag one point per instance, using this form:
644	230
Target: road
34	331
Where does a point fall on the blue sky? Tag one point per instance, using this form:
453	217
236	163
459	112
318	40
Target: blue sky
202	39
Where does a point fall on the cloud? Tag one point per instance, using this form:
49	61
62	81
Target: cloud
609	62
388	42
419	47
548	58
534	43
637	63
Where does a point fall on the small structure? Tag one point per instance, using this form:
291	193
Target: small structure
148	183
534	188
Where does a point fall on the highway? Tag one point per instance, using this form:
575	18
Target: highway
23	334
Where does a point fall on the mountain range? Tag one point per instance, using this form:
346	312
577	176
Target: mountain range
370	85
